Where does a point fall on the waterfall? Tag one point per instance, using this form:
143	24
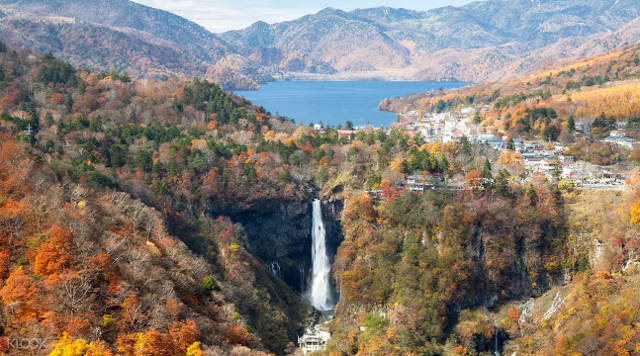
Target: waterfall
319	293
275	268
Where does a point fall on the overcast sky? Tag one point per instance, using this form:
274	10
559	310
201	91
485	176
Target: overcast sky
223	15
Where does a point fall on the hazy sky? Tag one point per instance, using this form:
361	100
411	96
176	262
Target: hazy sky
223	15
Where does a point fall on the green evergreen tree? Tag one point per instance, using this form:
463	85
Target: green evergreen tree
556	173
486	170
502	183
348	125
68	103
118	156
477	118
465	145
48	119
571	124
444	164
284	175
210	283
143	160
533	195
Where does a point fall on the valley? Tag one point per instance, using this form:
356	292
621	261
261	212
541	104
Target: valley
146	209
213	188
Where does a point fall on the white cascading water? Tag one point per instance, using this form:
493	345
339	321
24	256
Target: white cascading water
319	293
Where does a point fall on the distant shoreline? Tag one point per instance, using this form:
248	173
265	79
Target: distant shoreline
381	76
339	79
373	76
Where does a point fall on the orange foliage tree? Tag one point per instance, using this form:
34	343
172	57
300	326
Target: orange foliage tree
635	214
53	255
4	263
474	179
66	346
238	335
177	341
14	166
20	290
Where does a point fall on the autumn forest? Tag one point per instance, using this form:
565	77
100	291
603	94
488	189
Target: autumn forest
129	206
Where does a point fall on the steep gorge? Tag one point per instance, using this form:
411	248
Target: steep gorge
279	234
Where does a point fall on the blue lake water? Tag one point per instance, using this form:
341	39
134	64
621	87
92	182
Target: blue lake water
333	103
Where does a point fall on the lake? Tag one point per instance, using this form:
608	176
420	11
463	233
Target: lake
333	103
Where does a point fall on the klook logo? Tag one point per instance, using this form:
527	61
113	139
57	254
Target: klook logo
17	343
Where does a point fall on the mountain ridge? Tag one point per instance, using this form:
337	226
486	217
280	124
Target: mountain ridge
145	41
472	42
480	41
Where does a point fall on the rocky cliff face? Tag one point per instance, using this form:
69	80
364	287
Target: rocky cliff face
331	211
280	235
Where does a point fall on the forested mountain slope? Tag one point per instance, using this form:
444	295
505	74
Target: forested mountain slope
107	179
585	302
124	36
122	205
97	244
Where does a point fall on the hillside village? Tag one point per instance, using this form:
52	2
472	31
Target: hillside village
549	159
539	157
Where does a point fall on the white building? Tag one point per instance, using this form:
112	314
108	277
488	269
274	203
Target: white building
314	340
468	111
538	164
621	141
448	126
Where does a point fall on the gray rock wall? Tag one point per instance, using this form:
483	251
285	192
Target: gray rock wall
280	235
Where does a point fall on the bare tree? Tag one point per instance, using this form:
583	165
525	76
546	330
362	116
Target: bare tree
76	291
12	225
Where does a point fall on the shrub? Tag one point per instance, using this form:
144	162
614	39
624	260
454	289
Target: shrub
107	321
284	175
56	71
210	283
238	335
374	325
234	247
